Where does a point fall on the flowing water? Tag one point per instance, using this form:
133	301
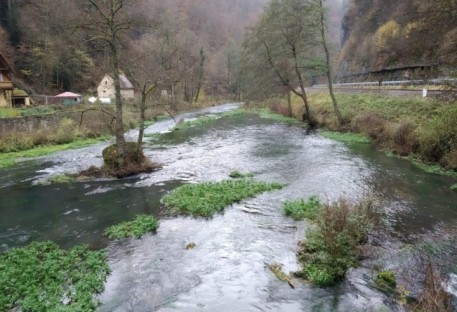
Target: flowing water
226	271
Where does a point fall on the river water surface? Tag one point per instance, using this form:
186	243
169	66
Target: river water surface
226	271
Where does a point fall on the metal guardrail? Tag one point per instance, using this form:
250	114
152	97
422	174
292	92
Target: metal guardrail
434	82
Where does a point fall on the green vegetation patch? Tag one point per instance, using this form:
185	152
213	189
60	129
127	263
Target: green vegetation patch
239	175
386	281
454	187
59	179
205	199
9	159
43	277
193	123
332	244
346	137
137	228
268	114
301	209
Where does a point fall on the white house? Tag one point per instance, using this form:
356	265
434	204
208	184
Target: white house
106	88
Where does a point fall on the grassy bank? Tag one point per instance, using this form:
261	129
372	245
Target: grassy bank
206	199
43	277
423	129
9	159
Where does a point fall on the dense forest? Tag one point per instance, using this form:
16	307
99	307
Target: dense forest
42	40
387	33
45	42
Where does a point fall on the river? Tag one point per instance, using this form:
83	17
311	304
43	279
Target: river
226	271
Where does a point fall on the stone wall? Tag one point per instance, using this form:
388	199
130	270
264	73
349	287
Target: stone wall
30	124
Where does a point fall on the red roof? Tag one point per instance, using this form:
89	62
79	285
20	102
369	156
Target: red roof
68	94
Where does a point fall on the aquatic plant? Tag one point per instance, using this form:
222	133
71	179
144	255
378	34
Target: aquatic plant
207	198
301	209
192	123
268	114
346	137
386	281
332	245
454	187
43	277
239	175
136	228
59	179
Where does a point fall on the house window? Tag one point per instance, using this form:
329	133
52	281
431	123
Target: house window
1	77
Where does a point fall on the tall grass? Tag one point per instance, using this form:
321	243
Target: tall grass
9	159
332	245
425	129
206	199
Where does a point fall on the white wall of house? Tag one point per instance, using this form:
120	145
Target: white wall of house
106	89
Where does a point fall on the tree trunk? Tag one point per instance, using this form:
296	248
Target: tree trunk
119	130
289	103
303	95
139	147
329	69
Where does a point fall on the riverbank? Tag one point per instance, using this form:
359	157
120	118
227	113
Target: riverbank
423	130
58	129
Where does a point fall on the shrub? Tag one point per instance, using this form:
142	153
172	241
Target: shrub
205	199
43	277
438	137
403	138
136	228
371	124
301	209
111	155
67	131
332	246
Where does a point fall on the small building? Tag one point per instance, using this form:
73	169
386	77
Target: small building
69	98
106	88
21	98
6	84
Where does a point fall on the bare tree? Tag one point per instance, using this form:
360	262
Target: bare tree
286	41
157	64
323	30
107	23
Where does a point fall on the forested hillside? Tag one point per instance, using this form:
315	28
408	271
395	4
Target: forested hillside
388	33
42	39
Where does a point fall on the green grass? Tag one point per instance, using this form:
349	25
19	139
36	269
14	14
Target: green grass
205	199
239	175
454	187
234	113
41	277
9	112
136	228
432	168
9	159
301	209
268	114
59	179
193	123
346	137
